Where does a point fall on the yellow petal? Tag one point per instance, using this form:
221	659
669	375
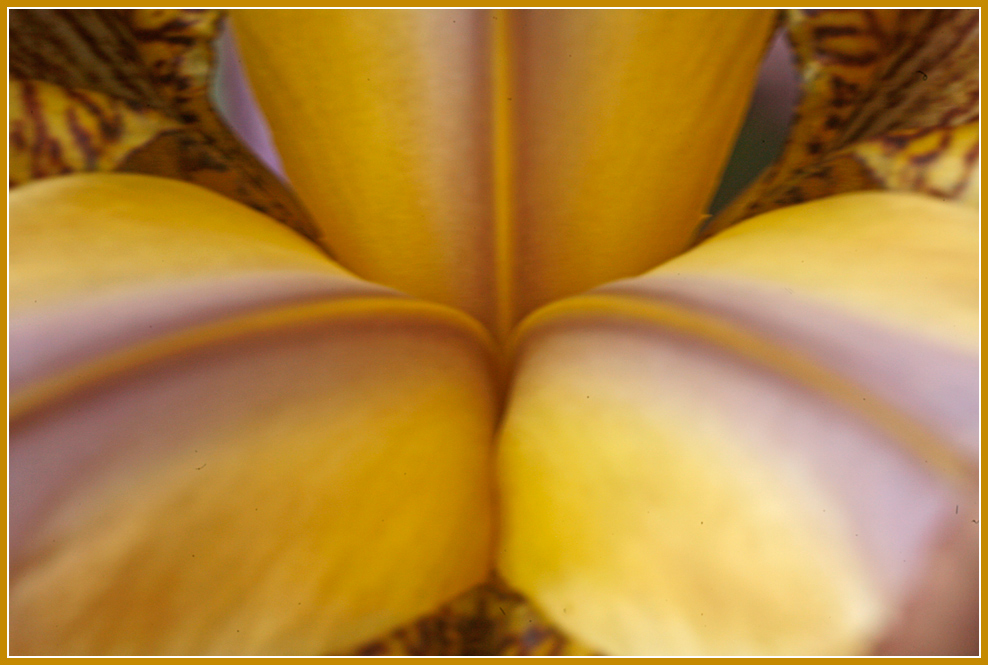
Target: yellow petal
494	160
381	119
625	120
903	259
295	470
138	229
759	448
101	260
662	498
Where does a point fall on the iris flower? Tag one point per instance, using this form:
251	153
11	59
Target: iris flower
497	384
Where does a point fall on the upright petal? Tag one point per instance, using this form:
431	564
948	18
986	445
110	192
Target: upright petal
625	120
224	444
767	446
495	160
382	121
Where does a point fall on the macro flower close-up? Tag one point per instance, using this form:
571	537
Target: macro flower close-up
445	351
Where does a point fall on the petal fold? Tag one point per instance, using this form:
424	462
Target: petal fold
767	446
98	261
905	260
496	160
382	123
625	120
270	457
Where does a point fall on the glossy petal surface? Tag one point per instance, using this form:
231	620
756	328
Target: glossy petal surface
480	159
722	459
102	260
383	125
224	442
904	259
245	473
606	129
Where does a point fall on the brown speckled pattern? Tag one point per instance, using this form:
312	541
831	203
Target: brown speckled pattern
55	130
890	101
489	620
126	90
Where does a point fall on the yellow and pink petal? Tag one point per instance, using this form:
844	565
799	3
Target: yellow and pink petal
280	459
767	446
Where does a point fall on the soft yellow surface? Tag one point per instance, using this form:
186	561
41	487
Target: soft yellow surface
395	126
82	234
907	260
645	520
291	493
626	120
297	479
305	485
382	121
